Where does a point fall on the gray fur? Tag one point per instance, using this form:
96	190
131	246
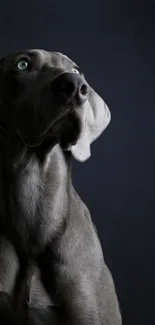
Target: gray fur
50	253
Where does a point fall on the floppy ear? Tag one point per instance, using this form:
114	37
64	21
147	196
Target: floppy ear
95	117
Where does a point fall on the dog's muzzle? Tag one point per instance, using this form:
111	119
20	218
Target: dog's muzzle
71	87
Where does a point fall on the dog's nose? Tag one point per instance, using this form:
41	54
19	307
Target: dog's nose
71	86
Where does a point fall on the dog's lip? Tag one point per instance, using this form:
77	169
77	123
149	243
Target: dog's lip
38	139
50	128
50	131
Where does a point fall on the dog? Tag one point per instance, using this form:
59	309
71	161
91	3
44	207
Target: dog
51	260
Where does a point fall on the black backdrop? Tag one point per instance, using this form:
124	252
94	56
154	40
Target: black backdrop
113	41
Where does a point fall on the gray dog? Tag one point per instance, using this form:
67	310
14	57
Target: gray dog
51	261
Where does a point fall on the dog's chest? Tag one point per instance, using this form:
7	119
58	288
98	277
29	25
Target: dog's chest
33	208
28	188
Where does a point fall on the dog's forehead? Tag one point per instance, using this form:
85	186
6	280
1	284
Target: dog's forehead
54	59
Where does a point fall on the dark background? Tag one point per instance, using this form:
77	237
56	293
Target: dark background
114	43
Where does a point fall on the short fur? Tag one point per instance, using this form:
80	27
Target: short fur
52	269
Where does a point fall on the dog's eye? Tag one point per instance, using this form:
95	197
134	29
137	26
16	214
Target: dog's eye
76	70
23	65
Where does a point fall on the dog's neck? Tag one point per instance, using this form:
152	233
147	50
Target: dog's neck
36	185
15	151
48	158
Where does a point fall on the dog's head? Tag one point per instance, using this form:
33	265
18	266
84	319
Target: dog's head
45	95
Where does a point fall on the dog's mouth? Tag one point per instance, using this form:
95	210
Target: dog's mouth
64	130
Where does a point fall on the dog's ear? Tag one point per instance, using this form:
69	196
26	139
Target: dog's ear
94	119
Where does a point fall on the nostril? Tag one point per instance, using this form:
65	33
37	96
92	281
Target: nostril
69	88
84	90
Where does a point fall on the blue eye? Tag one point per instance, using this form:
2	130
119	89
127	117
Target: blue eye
22	65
